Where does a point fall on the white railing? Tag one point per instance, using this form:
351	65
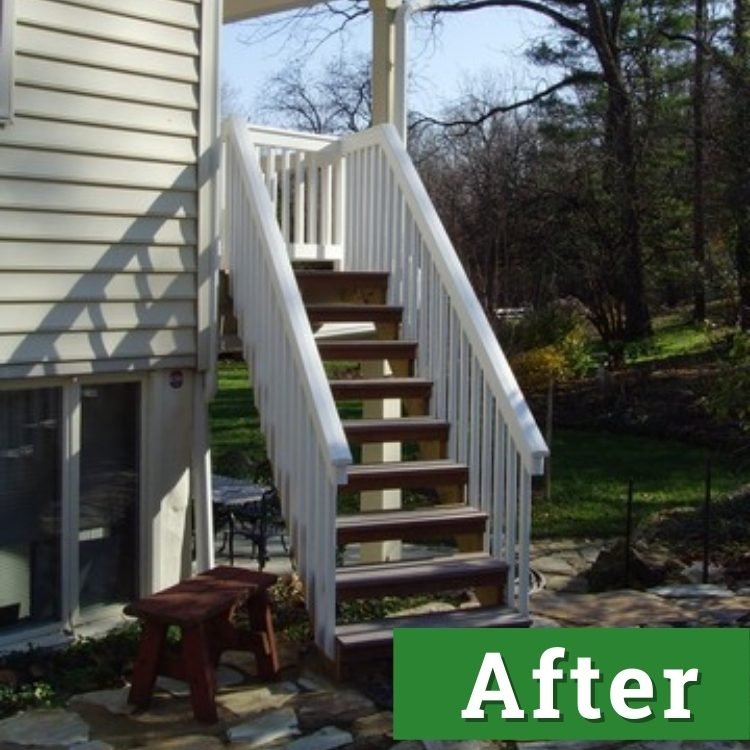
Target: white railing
294	196
391	225
305	440
304	176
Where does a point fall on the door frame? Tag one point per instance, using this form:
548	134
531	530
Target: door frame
69	488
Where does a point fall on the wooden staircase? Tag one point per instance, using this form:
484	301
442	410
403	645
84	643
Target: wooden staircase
437	509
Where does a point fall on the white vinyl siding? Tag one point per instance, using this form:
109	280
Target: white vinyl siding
99	189
58	256
91	287
104	344
7	23
81	316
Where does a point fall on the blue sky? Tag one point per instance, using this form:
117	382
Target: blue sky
467	47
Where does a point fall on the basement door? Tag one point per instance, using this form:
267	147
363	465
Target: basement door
70	488
108	497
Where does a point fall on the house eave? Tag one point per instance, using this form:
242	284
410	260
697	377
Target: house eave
239	10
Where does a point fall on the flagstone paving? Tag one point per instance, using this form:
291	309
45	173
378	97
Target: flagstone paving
306	710
284	715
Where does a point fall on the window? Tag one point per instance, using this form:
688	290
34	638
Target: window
30	507
69	503
7	22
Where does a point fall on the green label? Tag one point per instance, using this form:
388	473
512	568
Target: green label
547	684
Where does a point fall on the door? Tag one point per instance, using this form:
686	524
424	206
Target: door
109	494
30	508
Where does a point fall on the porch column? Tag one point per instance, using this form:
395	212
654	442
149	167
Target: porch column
388	65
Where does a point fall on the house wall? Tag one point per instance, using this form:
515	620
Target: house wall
99	188
107	235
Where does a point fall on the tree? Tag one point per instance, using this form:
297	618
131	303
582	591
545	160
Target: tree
591	49
699	196
738	146
339	100
482	185
594	203
230	100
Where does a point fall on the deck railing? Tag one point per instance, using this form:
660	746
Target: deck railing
305	440
359	201
391	225
303	173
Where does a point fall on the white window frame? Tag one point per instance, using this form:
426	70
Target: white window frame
72	619
7	25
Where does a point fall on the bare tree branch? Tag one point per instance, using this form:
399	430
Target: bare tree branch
555	15
583	77
305	31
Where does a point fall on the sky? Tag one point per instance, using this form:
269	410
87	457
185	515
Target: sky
467	47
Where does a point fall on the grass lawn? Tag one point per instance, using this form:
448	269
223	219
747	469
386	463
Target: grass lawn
590	473
237	444
674	336
590	470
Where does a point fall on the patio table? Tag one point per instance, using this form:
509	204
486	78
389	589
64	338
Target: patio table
223	608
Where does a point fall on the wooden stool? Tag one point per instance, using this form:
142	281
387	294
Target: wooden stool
209	609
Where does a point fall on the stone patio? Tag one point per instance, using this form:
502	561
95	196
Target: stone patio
287	714
306	710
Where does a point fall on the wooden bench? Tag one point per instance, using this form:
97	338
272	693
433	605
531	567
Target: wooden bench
223	608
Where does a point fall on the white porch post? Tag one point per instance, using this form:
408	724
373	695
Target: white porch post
401	66
388	63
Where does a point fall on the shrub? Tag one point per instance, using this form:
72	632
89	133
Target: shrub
534	369
730	395
23	697
550	343
41	677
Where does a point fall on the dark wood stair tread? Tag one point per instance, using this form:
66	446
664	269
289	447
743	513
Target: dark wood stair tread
376	388
403	429
348	278
344	313
366	637
420	577
317	279
366	350
402	474
431	523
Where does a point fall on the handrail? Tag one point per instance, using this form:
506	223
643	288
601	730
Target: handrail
305	441
315	382
520	421
278	138
294	193
303	175
392	226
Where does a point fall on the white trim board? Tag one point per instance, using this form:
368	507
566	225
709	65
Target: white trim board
7	24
